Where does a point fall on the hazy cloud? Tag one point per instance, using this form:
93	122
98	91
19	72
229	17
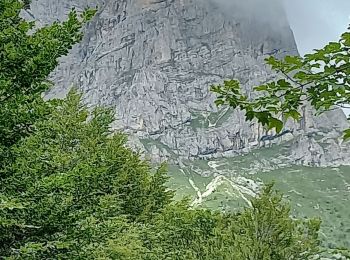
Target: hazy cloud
316	22
256	10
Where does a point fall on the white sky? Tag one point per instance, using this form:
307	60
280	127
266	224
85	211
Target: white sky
317	22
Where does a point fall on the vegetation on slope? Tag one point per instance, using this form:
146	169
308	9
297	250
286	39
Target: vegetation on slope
71	189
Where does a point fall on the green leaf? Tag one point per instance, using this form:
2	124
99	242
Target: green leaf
332	47
346	135
293	114
219	102
260	88
283	84
293	60
250	115
263	117
275	123
346	39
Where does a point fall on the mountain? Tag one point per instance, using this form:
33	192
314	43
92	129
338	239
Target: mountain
154	61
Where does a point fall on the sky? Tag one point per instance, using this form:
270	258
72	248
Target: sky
317	22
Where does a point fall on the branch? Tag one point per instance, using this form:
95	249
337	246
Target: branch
291	79
302	85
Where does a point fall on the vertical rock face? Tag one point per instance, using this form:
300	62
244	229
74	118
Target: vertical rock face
154	60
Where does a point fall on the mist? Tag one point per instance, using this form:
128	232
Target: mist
314	22
261	11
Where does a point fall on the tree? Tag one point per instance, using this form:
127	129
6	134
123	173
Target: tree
321	79
74	177
263	231
27	56
266	231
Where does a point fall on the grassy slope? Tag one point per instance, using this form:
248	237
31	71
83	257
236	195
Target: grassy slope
323	192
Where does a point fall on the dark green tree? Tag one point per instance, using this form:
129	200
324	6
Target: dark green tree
27	56
73	172
264	231
267	231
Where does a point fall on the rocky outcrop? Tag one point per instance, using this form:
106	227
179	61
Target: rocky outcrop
154	60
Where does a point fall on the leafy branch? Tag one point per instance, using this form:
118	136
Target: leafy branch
321	79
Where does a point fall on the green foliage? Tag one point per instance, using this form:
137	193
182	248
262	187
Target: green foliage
183	233
72	173
267	231
320	78
264	231
27	56
9	208
80	193
71	189
87	195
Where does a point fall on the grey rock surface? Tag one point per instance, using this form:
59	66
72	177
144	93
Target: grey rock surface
153	61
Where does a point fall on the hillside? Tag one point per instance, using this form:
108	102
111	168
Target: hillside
153	62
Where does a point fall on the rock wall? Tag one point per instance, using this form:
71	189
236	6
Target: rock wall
154	61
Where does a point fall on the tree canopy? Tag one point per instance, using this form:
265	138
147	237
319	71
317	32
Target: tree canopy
27	56
72	173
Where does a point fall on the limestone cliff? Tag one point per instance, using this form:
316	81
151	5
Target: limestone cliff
154	60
